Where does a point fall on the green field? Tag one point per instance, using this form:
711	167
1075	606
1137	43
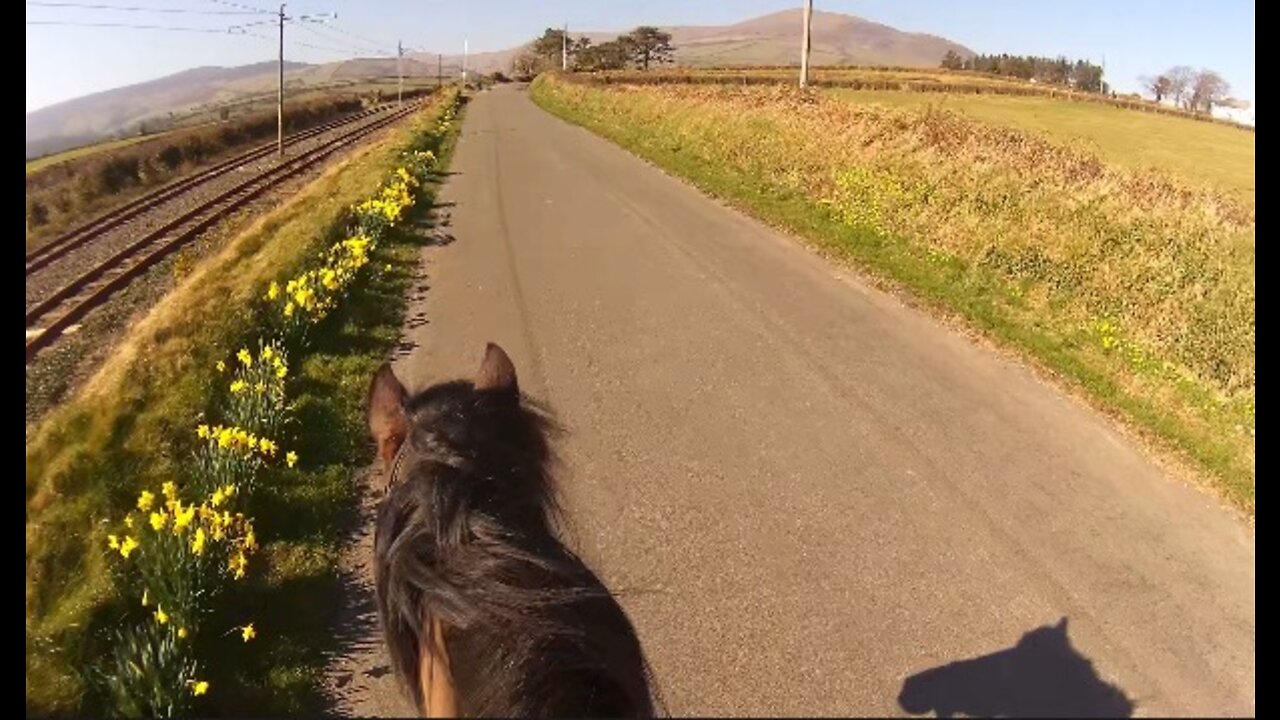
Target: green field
1136	287
55	158
1210	154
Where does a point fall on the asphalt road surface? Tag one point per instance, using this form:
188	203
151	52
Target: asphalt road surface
806	493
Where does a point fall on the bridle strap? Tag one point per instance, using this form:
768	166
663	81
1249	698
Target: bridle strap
395	464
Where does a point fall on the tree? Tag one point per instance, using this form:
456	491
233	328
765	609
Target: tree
525	64
612	55
952	60
1207	89
1180	78
1086	76
1157	86
577	48
550	45
649	45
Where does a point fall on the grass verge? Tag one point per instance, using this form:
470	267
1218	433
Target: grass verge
88	459
1129	284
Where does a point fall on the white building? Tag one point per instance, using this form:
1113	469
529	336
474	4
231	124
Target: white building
1239	111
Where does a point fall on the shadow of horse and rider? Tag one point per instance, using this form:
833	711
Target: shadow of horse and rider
1041	676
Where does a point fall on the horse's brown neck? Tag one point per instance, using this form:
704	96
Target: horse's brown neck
435	675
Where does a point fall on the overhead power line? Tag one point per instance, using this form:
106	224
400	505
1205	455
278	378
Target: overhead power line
228	3
358	36
133	8
300	43
132	26
360	45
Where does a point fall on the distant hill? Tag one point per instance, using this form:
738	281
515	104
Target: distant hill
836	39
772	39
105	113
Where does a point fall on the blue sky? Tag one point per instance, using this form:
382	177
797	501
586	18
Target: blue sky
1136	37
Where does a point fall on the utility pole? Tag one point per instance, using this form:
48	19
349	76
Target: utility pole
280	91
464	62
804	45
564	48
400	72
439	70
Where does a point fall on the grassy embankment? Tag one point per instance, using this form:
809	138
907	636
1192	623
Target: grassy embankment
132	428
1134	285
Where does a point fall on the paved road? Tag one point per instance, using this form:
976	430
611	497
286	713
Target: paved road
804	491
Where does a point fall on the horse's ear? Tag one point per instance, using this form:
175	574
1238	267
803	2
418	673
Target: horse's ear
496	371
387	422
1062	625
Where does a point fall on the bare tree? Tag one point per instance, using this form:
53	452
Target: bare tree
525	65
1180	79
1207	89
1157	87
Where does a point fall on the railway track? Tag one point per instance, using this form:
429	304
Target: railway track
49	318
83	234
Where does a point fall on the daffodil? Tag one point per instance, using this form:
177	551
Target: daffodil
199	687
158	521
291	458
145	500
197	541
145	597
113	542
162	617
128	545
237	387
182	632
202	431
128	521
248	633
182	519
222	367
244	357
273	291
237	565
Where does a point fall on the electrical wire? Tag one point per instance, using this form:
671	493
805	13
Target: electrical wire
134	8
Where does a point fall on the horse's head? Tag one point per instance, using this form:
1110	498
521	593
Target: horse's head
479	449
465	551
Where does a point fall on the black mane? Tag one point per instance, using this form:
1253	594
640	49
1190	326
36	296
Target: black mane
468	535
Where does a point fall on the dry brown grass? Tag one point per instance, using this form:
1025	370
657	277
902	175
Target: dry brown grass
913	80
